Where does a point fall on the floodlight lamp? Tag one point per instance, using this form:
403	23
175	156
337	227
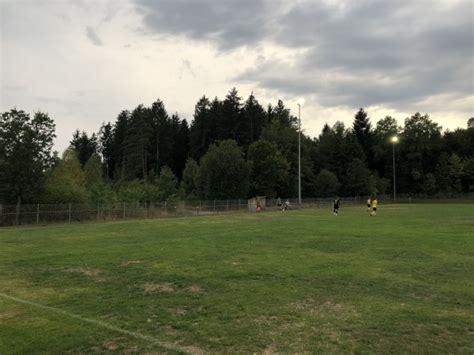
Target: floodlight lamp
301	101
394	139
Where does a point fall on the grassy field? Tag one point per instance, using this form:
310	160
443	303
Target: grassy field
273	282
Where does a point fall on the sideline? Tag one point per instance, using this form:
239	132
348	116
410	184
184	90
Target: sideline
99	323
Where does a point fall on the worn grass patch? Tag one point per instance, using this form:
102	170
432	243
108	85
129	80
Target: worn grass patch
300	281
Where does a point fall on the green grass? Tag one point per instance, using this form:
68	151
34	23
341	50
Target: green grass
279	282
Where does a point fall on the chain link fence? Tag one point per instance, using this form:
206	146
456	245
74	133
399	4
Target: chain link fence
24	214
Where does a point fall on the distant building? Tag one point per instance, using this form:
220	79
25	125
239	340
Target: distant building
470	123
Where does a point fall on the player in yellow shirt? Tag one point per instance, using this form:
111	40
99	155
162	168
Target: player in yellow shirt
374	206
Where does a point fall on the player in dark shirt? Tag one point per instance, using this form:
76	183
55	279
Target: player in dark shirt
336	205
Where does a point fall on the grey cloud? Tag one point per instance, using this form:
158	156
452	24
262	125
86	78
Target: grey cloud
357	53
227	23
93	37
390	53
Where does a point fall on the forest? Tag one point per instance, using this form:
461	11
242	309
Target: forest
232	148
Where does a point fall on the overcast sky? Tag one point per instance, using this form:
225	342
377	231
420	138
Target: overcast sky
85	61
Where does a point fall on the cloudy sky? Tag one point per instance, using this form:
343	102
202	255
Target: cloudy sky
85	61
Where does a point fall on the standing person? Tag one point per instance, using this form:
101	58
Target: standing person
374	206
336	205
279	203
369	203
287	205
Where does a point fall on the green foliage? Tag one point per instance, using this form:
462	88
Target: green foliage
25	154
421	145
456	172
469	173
201	130
139	144
429	185
131	191
327	184
166	184
93	171
362	129
103	195
224	172
380	185
269	168
251	123
136	143
357	180
106	148
190	180
66	182
231	114
84	146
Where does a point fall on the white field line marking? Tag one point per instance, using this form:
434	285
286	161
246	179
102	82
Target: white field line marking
98	323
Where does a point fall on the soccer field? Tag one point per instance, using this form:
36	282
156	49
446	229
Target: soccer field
272	282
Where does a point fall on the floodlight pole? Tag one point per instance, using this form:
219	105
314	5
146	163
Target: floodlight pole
299	154
394	178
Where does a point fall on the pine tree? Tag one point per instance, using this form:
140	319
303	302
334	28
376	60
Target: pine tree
137	142
84	146
161	139
251	123
106	148
362	129
231	112
200	128
119	149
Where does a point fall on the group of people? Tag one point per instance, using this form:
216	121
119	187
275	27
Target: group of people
371	206
284	207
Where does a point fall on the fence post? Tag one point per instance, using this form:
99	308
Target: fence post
98	213
227	205
239	204
214	206
70	211
200	207
123	210
37	213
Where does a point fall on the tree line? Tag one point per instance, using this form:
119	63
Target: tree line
233	148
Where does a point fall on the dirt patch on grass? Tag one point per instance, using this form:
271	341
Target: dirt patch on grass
324	310
166	287
270	350
111	345
192	349
131	262
169	330
195	289
87	271
177	311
